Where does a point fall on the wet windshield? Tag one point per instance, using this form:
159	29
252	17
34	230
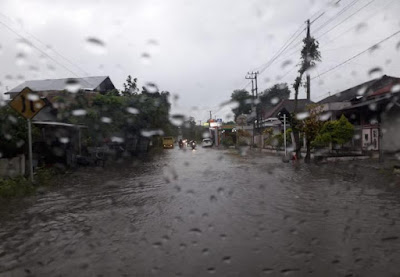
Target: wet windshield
197	138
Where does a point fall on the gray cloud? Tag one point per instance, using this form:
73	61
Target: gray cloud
200	50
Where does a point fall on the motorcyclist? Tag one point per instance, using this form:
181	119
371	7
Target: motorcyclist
193	144
180	143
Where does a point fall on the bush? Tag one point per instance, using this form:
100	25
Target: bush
288	135
227	141
44	176
243	142
243	133
15	187
337	132
278	140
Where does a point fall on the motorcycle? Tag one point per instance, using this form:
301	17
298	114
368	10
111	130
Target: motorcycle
193	145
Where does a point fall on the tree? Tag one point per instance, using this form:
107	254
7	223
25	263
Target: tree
311	126
125	115
309	56
114	92
243	98
14	133
273	95
130	87
335	131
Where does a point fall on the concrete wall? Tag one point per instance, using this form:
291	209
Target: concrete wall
12	167
390	127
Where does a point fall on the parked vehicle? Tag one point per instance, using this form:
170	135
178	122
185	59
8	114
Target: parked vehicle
207	142
168	142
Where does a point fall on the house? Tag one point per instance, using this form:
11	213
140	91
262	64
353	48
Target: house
373	108
59	142
270	117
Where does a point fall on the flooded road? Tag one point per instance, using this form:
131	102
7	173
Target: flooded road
208	212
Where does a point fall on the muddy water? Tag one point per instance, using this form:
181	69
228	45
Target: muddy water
207	212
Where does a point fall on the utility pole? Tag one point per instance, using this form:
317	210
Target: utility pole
254	90
249	76
284	132
210	116
257	105
308	54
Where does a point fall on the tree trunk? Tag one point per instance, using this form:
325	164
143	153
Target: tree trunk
307	159
295	130
296	135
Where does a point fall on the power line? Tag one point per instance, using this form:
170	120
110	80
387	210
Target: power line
288	42
52	49
298	49
341	22
326	24
342	11
38	49
373	14
359	54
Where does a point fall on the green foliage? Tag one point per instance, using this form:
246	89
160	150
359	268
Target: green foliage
123	115
278	140
130	87
312	125
288	135
227	141
13	133
310	54
336	131
20	186
243	133
188	129
243	142
268	131
277	92
43	176
243	98
15	187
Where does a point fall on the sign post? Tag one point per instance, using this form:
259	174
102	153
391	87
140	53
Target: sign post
30	149
284	115
28	104
284	132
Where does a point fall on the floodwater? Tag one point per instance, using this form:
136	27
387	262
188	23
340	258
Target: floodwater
207	213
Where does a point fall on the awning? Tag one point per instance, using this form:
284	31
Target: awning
54	123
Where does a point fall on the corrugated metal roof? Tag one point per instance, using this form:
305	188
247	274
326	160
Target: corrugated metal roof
366	90
347	94
86	83
288	104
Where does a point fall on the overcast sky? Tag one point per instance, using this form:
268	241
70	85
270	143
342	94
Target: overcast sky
198	50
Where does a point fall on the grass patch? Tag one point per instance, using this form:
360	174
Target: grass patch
16	187
21	186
